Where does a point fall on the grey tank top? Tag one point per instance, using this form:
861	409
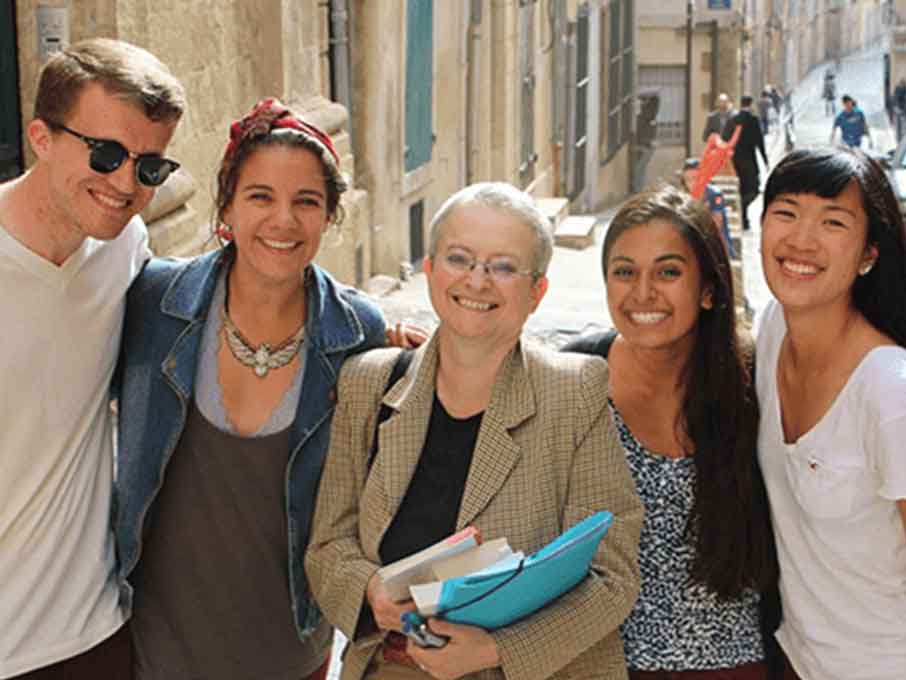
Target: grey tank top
212	596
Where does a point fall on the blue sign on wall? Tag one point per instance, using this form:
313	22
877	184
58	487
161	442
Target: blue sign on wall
719	4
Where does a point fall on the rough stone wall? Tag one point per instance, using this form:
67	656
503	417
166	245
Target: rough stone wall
613	180
377	119
449	156
477	126
504	93
88	18
729	62
228	54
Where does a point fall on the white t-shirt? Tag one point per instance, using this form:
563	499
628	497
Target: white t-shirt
840	538
59	338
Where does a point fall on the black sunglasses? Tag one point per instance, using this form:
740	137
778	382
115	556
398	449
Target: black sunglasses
107	155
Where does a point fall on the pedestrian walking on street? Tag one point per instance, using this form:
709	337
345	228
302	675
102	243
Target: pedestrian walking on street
829	93
852	123
899	108
484	429
750	143
764	111
832	388
229	365
71	243
776	99
682	397
716	122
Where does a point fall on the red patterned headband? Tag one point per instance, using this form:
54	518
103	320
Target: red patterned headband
267	115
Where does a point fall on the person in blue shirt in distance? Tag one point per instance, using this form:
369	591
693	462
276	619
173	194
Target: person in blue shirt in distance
852	123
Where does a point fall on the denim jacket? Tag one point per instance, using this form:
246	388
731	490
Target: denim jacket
165	315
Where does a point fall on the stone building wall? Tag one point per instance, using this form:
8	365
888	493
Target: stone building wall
228	54
662	42
476	109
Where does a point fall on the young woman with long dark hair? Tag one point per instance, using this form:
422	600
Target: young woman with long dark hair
681	393
832	388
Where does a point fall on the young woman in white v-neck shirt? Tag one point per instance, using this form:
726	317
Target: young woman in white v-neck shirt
831	383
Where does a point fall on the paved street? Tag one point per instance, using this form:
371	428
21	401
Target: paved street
575	301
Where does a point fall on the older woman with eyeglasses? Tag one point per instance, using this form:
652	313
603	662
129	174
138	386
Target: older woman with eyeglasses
485	430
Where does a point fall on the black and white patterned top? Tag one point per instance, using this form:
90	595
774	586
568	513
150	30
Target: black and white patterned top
678	624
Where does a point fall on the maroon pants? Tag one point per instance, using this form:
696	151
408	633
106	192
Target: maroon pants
110	660
749	671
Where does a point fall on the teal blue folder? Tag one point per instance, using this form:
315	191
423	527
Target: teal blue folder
496	597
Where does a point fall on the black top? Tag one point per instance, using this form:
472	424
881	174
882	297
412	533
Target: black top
431	505
597	344
751	140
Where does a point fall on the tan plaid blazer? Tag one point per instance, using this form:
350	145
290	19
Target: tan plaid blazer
547	456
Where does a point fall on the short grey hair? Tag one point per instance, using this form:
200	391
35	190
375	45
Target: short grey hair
506	199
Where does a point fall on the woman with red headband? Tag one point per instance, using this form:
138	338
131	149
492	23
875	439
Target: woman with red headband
226	393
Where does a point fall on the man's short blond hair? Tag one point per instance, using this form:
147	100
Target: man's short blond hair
127	72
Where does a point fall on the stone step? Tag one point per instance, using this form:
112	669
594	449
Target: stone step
576	231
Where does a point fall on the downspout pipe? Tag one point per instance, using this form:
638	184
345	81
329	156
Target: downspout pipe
473	89
689	27
715	60
339	57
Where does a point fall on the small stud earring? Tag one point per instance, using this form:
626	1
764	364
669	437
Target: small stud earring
865	268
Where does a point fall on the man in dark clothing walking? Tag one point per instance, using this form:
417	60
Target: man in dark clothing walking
744	155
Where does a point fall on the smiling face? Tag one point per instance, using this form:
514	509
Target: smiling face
472	304
278	214
83	202
655	291
812	248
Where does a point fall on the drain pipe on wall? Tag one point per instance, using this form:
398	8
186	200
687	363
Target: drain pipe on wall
473	89
339	57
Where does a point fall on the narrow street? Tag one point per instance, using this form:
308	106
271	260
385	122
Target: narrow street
575	300
860	75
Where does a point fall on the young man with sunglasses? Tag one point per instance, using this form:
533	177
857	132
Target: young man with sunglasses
71	242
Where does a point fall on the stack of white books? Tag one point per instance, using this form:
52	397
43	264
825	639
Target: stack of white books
420	577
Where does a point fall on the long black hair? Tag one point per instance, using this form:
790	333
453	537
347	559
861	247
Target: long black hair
879	295
730	521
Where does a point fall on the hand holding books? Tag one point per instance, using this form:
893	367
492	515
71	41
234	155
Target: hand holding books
386	611
416	629
465	650
505	586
